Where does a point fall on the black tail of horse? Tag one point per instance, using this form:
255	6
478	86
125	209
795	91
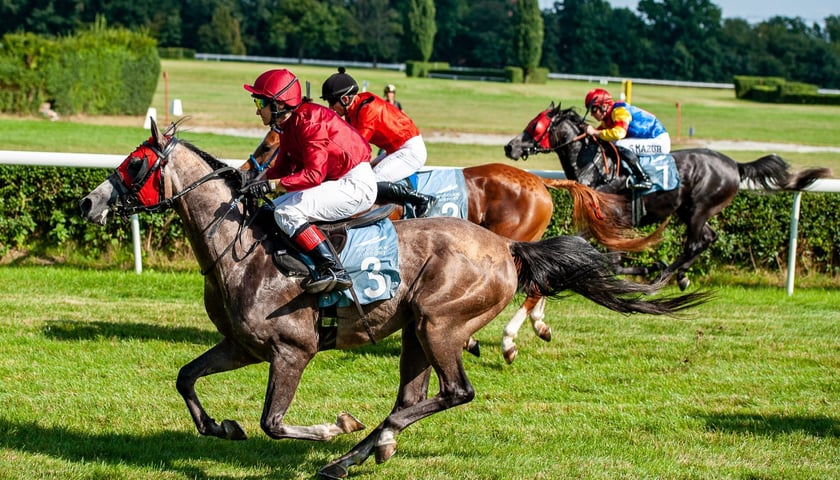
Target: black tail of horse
770	172
553	265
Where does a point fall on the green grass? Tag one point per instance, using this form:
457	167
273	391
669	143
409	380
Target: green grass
212	96
743	387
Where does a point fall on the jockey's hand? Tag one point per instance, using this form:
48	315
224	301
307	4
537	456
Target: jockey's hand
590	130
257	189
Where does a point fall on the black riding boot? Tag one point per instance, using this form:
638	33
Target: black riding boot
329	274
388	192
642	179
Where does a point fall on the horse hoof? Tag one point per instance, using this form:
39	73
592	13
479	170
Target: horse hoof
333	471
545	333
386	451
510	354
683	283
386	446
232	430
473	347
348	423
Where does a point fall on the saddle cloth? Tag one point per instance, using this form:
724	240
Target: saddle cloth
662	172
371	258
448	186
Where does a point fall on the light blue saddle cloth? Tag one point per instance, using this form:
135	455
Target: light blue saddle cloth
448	186
371	258
662	171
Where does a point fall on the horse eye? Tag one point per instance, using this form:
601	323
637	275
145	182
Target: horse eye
135	165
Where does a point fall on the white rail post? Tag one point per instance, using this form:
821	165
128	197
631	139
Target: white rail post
794	232
135	236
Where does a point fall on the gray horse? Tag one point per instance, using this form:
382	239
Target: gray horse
456	278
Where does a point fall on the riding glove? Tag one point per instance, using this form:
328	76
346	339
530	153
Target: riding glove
257	189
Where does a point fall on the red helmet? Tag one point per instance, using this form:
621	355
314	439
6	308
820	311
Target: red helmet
279	85
598	97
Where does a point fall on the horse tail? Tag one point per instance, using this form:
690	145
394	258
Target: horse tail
550	266
772	173
601	216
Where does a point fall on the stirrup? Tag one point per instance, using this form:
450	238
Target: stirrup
422	212
328	281
643	184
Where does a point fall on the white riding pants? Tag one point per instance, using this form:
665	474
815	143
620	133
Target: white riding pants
330	201
409	158
647	146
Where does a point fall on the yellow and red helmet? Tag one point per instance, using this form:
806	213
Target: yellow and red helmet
598	97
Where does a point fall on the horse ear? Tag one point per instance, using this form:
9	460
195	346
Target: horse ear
155	131
551	105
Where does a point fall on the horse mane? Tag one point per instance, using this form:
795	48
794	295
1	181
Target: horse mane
570	114
209	159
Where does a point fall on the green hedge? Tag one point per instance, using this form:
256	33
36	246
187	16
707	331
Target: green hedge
177	53
777	90
753	232
39	211
97	71
422	69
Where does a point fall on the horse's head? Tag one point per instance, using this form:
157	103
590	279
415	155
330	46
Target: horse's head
140	183
548	131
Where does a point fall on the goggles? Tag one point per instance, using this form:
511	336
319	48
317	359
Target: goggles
260	102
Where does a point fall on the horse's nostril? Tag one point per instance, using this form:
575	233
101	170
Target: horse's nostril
85	205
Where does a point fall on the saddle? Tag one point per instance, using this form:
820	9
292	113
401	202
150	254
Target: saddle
599	166
287	256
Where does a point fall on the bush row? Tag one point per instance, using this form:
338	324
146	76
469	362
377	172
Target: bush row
99	71
443	70
39	211
753	233
778	90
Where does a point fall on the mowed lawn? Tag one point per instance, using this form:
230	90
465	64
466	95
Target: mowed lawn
745	386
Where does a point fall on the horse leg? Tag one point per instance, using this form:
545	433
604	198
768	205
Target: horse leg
697	241
414	387
283	379
224	356
537	315
511	330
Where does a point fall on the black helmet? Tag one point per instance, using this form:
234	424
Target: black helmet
338	85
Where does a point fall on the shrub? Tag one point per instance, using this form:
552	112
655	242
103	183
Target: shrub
96	71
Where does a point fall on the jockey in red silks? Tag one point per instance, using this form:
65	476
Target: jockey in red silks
322	168
387	127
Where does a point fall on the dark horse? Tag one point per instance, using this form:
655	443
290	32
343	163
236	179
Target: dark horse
456	277
708	180
515	204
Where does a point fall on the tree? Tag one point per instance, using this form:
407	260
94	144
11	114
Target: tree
687	30
486	39
528	36
420	23
221	35
379	29
449	27
302	25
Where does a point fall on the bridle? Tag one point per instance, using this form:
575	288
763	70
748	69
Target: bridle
134	196
135	190
542	141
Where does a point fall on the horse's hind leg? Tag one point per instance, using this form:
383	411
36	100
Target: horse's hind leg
695	244
511	330
537	315
223	357
414	387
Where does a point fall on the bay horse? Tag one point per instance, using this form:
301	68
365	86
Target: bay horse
708	181
456	276
515	204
